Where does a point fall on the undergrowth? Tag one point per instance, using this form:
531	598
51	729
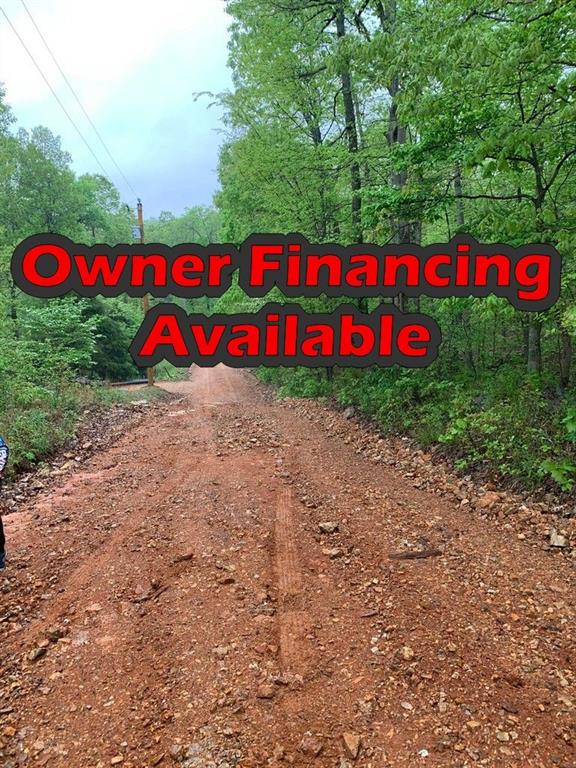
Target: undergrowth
502	422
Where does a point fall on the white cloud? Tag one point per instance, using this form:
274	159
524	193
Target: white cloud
98	44
134	65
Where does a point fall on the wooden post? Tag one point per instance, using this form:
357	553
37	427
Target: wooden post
146	298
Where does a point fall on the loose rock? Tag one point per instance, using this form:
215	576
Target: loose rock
352	744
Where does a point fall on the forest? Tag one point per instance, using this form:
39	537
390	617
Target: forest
389	121
349	121
55	354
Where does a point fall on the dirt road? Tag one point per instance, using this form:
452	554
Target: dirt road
177	603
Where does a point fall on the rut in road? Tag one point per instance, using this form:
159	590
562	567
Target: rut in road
175	602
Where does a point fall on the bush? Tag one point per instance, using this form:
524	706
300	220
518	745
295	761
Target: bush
296	382
502	422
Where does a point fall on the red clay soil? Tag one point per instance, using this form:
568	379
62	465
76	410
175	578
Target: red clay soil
178	602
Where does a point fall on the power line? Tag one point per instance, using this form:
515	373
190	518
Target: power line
80	104
63	108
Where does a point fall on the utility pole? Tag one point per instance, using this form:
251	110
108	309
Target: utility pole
146	298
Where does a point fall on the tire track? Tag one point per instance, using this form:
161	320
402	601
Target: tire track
292	620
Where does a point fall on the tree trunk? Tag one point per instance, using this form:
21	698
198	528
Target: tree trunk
351	130
465	316
460	219
315	132
397	135
565	357
14	311
402	230
534	357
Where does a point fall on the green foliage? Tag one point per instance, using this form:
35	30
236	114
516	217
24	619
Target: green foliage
60	334
38	404
562	471
405	120
116	322
461	119
499	423
164	371
296	382
48	347
197	225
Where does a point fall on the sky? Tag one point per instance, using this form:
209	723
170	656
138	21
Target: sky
136	66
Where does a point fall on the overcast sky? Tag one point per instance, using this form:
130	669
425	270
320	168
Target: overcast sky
135	66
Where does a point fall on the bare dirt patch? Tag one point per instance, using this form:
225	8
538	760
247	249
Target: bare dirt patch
218	588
